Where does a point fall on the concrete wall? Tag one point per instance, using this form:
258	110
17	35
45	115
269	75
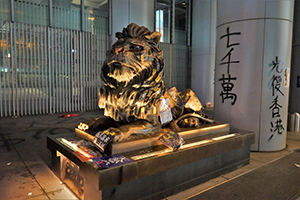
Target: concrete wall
124	12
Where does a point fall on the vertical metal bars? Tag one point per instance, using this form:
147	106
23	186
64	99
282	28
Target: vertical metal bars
181	64
12	71
172	22
176	65
48	70
5	89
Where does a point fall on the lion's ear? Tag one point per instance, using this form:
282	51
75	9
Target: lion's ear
155	37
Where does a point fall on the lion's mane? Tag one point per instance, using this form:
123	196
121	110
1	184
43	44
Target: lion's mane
132	75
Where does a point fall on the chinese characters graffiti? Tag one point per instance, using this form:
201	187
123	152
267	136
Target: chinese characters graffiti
275	83
227	86
227	81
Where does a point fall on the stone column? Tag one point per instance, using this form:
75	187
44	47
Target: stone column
124	12
203	49
253	54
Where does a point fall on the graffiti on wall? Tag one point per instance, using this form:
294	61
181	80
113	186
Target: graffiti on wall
227	81
278	76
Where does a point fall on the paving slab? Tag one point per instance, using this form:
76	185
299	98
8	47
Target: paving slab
266	157
275	180
254	164
194	190
16	180
25	160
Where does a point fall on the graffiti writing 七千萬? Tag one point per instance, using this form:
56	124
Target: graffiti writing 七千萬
226	82
276	125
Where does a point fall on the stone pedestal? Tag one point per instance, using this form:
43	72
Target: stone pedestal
162	173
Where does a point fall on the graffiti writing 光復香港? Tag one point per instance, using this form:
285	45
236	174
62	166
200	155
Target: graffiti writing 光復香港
276	71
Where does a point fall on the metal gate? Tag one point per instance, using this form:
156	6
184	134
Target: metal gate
48	70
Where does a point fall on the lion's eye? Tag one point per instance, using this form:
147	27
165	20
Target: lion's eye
135	47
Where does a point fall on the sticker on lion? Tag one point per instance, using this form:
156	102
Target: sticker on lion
135	100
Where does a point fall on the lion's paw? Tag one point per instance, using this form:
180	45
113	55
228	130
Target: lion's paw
190	122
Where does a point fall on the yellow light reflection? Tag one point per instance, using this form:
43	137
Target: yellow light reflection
74	147
215	127
202	142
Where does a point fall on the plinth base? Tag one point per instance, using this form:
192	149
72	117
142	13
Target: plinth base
155	172
187	133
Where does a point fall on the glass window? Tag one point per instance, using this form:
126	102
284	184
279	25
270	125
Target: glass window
163	19
66	14
180	26
31	12
95	16
5	10
159	21
180	35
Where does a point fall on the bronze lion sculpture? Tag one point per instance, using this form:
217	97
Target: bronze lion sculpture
133	94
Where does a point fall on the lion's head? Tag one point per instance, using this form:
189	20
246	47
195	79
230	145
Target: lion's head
132	75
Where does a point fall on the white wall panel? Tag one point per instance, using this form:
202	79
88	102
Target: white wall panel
203	77
280	9
203	49
233	10
202	34
119	17
277	44
245	113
